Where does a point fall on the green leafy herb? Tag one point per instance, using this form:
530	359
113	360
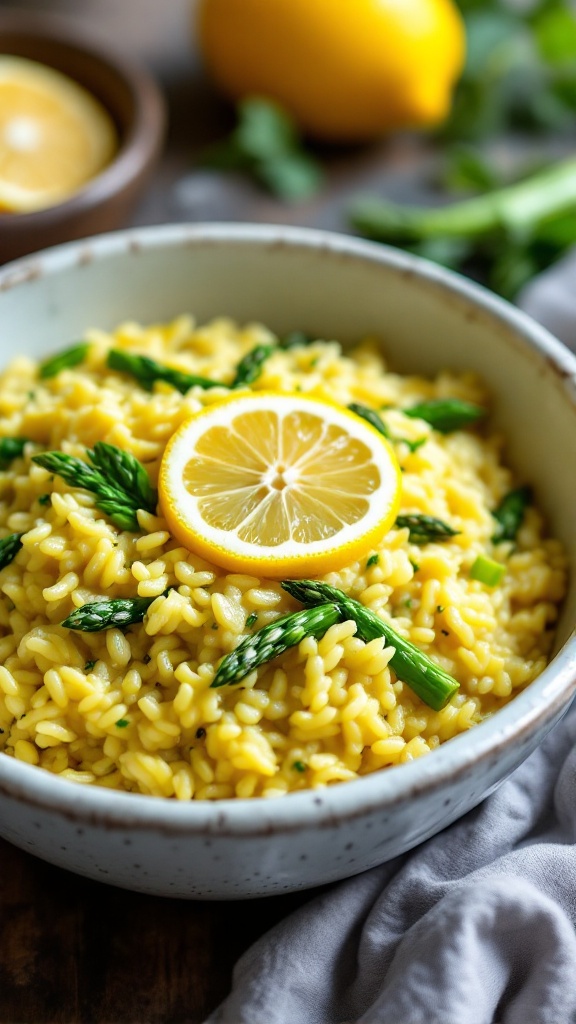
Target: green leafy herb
424	529
299	766
251	620
11	448
265	144
44	499
9	548
272	640
446	414
147	371
104	614
118	480
509	514
250	367
373	560
430	682
296	339
414	565
487	571
122	723
89	666
64	360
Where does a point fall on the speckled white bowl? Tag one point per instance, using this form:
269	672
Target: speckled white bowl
335	287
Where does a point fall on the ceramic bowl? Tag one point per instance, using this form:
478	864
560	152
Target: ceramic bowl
338	287
137	108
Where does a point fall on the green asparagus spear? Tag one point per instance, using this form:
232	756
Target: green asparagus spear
64	360
430	682
104	614
425	528
9	548
118	480
372	417
446	414
11	448
510	513
273	640
250	367
147	371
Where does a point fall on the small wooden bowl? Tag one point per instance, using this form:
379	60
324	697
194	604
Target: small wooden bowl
137	108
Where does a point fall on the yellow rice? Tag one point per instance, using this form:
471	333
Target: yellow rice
135	711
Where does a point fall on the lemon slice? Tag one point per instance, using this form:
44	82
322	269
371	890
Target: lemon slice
278	485
54	136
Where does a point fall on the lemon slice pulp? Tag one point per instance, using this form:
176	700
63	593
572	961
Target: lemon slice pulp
279	484
54	136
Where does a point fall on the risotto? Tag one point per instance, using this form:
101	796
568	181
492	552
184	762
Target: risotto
132	707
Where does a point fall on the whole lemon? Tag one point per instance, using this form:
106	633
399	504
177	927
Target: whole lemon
347	70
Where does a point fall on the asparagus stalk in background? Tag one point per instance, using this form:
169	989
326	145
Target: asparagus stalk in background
65	360
146	371
272	640
11	448
509	514
516	230
9	548
250	367
430	682
446	414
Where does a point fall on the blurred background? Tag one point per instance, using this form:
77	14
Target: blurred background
434	126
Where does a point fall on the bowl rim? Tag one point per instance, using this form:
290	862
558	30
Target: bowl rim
143	138
541	703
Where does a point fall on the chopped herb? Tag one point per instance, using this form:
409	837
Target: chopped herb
487	571
116	477
373	560
295	339
250	367
200	733
509	514
439	608
89	666
44	499
214	625
122	723
31	395
9	548
408	602
445	632
424	529
146	659
446	414
64	360
299	766
11	448
414	565
251	620
147	371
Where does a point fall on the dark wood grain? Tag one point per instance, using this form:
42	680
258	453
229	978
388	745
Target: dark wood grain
73	951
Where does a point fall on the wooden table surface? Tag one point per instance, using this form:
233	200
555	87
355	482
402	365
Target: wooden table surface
74	951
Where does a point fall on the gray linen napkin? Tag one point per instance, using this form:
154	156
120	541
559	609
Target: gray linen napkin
475	926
